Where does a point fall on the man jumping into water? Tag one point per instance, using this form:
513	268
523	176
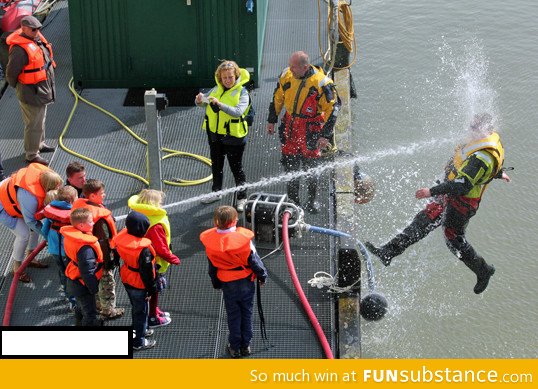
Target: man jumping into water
474	165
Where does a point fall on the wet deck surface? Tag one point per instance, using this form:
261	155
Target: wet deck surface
198	328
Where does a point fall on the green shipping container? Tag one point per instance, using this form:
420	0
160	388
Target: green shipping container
162	43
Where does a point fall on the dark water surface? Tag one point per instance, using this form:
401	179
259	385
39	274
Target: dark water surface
424	67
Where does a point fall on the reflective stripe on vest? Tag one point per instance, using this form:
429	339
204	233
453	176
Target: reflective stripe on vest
229	252
74	240
129	248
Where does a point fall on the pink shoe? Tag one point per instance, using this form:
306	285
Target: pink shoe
162	313
157	321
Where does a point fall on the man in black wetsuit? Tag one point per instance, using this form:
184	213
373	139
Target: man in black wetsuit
474	165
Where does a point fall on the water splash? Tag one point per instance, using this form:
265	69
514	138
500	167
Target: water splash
471	89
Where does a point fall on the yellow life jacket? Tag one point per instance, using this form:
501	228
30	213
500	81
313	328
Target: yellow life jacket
489	150
156	215
220	122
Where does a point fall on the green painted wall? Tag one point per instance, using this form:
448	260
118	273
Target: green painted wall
162	43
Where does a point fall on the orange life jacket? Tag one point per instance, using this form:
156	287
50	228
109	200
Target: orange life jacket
98	212
36	69
229	252
26	178
74	240
129	248
58	217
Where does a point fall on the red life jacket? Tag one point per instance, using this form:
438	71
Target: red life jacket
229	252
129	248
98	212
26	178
58	217
74	240
36	69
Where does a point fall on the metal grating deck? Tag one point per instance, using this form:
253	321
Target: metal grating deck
198	328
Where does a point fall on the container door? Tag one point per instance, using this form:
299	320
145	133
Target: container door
163	45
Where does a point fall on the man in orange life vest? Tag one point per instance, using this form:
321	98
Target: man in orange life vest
84	269
234	264
311	103
30	70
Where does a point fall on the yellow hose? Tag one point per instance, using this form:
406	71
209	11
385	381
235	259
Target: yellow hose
346	30
172	153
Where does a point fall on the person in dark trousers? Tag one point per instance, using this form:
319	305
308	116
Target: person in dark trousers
30	70
137	273
85	266
311	104
233	265
474	165
225	122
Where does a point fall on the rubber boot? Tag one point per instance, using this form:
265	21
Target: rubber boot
392	249
381	252
482	270
313	205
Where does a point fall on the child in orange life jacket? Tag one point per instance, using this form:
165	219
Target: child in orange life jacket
149	202
137	273
57	214
233	266
104	229
84	268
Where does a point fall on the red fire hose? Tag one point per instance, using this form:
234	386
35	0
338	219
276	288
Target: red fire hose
15	282
299	289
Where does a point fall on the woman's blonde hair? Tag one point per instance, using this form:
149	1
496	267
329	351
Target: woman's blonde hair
50	180
226	65
151	197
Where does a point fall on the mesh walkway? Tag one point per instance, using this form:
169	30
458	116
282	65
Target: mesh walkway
198	328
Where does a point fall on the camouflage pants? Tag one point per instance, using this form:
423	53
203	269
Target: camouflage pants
107	291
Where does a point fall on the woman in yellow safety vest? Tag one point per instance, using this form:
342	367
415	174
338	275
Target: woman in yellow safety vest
225	122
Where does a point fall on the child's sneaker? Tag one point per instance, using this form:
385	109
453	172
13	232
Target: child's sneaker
146	343
149	332
112	314
158	321
245	351
162	313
